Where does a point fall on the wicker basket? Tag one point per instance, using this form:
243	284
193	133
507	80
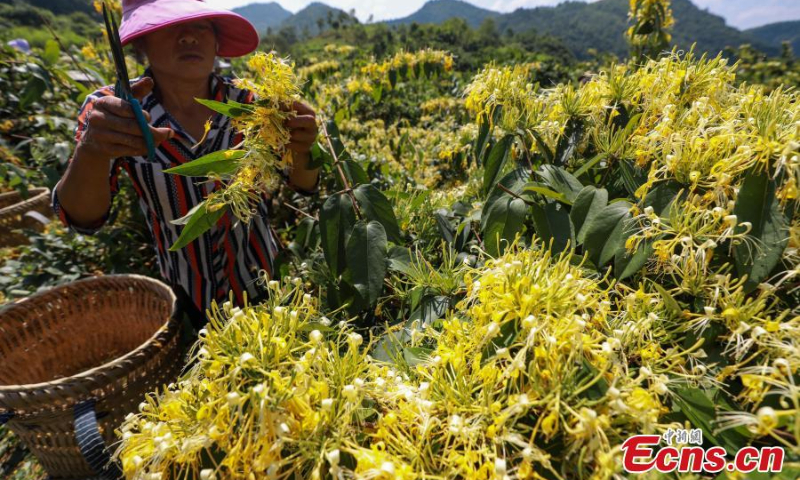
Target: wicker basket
12	214
102	342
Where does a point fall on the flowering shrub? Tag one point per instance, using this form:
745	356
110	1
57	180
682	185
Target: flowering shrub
626	264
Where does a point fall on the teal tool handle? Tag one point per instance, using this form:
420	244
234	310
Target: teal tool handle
148	137
140	119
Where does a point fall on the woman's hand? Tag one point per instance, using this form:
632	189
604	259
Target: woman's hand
112	130
303	128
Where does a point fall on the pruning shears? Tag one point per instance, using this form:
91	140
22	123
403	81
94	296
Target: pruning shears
123	87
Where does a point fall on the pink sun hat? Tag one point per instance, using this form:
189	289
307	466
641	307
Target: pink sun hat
236	35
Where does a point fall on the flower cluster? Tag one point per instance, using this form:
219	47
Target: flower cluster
422	155
276	87
274	390
415	62
522	363
651	21
319	69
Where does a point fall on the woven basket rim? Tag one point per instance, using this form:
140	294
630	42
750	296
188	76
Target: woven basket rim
37	194
163	333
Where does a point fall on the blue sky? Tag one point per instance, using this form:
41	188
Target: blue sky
739	13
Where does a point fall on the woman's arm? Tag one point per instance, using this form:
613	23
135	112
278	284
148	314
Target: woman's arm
111	132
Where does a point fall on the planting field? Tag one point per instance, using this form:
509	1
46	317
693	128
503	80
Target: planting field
510	268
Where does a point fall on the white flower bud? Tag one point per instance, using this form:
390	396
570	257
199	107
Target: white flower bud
529	322
333	457
315	336
354	339
500	467
327	404
246	357
233	399
207	474
492	330
387	468
349	392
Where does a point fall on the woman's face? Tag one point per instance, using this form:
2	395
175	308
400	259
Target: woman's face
186	51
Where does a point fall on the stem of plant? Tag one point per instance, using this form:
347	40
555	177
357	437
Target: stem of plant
342	176
527	202
292	207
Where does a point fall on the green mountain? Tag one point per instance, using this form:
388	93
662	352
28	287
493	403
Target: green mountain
776	33
58	7
317	17
437	11
600	25
264	15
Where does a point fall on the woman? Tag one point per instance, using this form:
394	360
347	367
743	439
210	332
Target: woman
181	39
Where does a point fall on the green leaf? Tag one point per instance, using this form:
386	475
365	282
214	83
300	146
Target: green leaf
443	217
568	142
51	52
376	93
669	301
552	223
757	204
319	156
430	309
230	108
605	232
32	92
588	165
400	259
483	137
534	187
376	207
366	259
336	219
496	161
355	174
633	177
222	162
561	181
543	148
200	221
503	215
663	196
589	202
644	28
701	411
416	355
626	264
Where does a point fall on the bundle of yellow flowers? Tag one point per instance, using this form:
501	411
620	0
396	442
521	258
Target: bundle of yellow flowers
253	167
413	62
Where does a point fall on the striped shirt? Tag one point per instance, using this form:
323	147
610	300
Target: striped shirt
226	258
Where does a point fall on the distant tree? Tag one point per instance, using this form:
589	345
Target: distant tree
487	30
